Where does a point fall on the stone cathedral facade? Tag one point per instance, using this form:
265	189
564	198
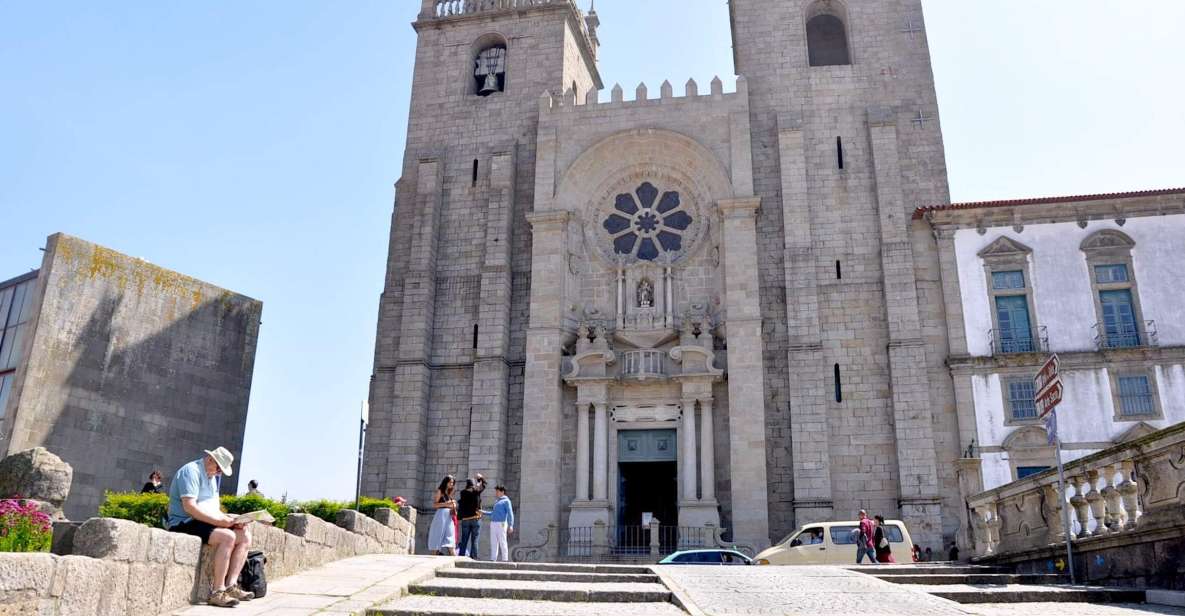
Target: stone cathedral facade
709	303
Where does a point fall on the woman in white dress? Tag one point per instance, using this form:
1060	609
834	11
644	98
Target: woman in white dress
442	534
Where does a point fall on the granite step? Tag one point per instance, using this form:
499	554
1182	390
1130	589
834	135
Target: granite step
891	570
977	579
552	567
579	592
527	575
422	605
1018	593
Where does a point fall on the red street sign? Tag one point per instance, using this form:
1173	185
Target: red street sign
1049	398
1047	375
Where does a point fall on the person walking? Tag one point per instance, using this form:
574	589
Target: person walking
154	485
864	533
469	511
442	534
194	510
880	539
501	525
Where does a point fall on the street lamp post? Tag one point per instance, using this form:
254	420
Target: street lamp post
361	447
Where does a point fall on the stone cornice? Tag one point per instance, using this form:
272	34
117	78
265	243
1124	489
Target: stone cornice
548	218
740	207
1004	214
1070	360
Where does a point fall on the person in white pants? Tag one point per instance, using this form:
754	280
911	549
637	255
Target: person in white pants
501	525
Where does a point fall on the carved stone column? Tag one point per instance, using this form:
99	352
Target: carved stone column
581	451
601	453
1112	500
707	453
688	469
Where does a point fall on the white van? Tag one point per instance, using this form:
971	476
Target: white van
832	543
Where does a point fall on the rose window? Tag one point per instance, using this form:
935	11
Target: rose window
645	226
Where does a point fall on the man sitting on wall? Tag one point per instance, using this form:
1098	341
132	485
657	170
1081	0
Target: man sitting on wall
194	509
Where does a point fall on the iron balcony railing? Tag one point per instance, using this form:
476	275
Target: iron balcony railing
644	364
1021	340
1125	335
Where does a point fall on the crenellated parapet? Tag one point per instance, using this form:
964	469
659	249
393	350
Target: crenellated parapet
568	101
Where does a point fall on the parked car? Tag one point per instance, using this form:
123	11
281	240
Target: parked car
706	557
832	543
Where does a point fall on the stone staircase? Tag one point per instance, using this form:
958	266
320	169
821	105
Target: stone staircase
514	589
979	584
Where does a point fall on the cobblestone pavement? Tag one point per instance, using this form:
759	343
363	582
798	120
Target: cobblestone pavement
799	591
1073	609
344	587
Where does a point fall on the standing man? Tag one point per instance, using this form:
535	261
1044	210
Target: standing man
501	525
469	511
194	509
864	534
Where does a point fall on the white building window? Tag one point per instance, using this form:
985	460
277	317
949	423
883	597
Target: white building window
1134	395
1020	397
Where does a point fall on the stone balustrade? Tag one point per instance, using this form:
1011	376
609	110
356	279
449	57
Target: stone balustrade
1124	494
451	8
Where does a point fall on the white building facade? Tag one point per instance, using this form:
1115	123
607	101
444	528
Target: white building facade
1097	280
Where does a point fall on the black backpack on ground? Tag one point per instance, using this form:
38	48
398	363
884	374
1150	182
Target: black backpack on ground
252	578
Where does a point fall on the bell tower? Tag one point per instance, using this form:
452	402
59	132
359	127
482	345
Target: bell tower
447	377
846	144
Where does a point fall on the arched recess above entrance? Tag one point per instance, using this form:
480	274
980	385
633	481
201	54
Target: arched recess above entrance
620	164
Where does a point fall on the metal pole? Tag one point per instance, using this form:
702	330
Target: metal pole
361	444
1061	481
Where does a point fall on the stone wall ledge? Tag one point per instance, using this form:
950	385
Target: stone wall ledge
122	568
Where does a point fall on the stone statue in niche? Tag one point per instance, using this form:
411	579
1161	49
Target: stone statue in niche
645	293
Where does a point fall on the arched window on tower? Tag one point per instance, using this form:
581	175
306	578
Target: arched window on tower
489	66
827	34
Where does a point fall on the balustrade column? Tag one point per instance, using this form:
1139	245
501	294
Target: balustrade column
601	453
707	452
1130	492
1081	506
1111	499
581	452
1095	499
688	446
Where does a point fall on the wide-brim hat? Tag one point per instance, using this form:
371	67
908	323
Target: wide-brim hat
224	459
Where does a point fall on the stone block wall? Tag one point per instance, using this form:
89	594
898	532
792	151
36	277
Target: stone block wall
118	567
130	368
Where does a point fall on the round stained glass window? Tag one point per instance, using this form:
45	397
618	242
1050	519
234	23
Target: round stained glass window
645	225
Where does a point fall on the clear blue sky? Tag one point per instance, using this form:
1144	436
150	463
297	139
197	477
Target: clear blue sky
254	145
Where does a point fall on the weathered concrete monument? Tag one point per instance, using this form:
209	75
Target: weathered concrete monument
121	367
749	308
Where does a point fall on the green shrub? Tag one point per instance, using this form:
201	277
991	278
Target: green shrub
246	504
148	509
23	528
368	505
324	509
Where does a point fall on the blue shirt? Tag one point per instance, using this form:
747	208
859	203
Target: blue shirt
190	481
503	512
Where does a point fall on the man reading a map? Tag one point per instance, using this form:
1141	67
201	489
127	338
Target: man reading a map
194	510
